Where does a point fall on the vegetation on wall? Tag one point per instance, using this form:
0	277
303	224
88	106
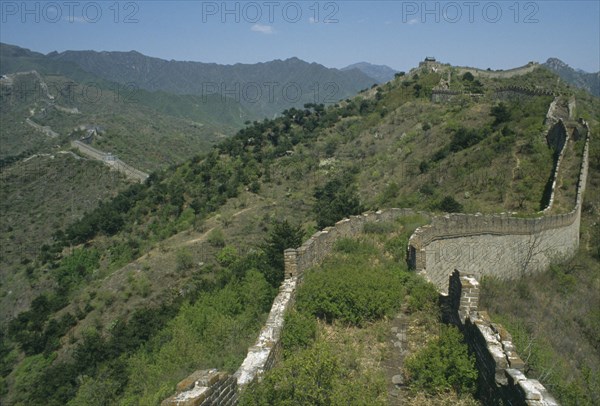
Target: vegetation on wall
335	339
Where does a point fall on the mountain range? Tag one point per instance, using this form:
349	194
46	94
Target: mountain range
576	77
264	89
381	73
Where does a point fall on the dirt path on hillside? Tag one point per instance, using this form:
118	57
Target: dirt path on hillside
205	234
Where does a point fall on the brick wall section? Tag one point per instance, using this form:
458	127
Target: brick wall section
500	368
557	135
508	92
499	245
128	170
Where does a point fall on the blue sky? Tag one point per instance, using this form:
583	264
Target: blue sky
485	34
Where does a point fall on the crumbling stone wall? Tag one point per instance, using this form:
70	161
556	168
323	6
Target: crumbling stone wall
444	95
199	390
500	368
205	388
267	350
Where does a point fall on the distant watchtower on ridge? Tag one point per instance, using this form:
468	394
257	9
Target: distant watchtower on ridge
430	62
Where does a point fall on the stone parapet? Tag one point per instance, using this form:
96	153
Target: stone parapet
205	388
267	349
498	245
501	375
321	243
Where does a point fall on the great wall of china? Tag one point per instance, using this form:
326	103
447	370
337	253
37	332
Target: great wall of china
111	161
452	252
108	159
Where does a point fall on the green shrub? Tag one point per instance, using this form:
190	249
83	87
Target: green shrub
184	259
354	247
216	238
422	295
318	375
397	246
306	378
77	266
379	228
300	331
390	192
449	205
464	138
227	256
352	289
443	365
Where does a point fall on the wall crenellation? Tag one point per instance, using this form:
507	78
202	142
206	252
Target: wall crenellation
498	245
508	73
514	90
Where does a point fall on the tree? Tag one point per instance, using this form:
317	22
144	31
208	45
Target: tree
417	89
336	200
468	77
501	113
444	364
450	205
282	236
184	259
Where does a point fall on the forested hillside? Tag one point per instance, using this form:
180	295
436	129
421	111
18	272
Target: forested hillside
262	89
